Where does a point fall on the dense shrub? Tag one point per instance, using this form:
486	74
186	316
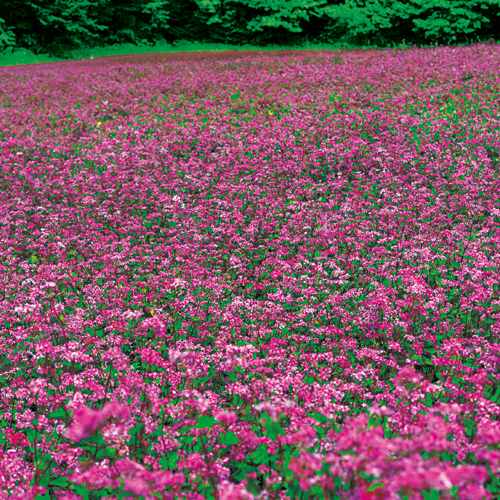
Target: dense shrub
57	26
432	20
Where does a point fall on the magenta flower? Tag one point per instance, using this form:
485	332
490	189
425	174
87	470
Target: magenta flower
324	281
136	485
227	417
86	421
116	410
231	491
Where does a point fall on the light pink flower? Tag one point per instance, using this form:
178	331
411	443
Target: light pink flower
86	421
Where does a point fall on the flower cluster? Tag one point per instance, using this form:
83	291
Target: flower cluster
263	278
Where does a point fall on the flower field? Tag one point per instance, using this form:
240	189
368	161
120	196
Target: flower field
251	276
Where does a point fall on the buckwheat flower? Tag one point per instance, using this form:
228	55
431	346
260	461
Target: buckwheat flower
160	327
43	421
202	404
116	410
177	199
445	481
70	496
136	486
7	394
491	457
175	354
227	417
88	200
304	437
473	491
271	409
22	393
21	310
96	476
24	419
167	478
489	432
231	491
59	307
132	315
85	423
37	386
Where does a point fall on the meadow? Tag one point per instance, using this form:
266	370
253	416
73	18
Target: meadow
251	276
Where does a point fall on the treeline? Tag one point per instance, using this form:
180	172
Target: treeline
59	26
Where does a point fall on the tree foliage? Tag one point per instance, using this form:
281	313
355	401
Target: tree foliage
56	26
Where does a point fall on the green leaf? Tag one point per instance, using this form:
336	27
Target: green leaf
57	415
30	434
169	461
432	495
60	482
274	430
260	455
229	438
205	422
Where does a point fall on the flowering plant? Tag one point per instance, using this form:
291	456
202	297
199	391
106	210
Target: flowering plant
201	304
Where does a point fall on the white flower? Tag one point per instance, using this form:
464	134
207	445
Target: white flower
446	482
132	314
177	199
174	355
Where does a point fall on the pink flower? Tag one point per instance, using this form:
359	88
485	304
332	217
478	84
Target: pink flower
140	481
491	457
166	478
136	485
230	491
193	462
95	476
228	417
303	437
474	491
127	466
304	468
489	432
86	421
116	410
407	375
